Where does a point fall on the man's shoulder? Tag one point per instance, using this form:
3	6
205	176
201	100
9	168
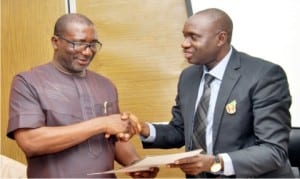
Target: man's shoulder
34	76
254	66
251	59
37	69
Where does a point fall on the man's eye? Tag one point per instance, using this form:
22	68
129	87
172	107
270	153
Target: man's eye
79	44
93	44
195	37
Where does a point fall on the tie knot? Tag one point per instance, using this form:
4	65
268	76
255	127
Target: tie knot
208	78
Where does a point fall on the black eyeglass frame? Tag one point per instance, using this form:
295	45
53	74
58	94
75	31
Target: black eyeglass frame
80	46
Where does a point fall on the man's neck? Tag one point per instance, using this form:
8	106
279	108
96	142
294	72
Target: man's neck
61	69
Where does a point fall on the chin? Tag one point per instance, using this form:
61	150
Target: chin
79	68
192	61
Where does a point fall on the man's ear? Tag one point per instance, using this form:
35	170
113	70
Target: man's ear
222	38
54	41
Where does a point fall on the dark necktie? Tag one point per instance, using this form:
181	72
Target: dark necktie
200	121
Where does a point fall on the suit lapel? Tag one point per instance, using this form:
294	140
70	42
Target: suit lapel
194	87
230	78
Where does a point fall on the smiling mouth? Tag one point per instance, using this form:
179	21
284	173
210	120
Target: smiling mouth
83	62
187	55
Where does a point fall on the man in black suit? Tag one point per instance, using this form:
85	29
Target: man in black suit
248	119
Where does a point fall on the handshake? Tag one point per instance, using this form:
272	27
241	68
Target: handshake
124	126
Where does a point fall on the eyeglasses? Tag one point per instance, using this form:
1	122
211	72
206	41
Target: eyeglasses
81	46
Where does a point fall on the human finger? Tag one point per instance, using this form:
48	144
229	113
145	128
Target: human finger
187	160
125	115
137	124
107	136
151	173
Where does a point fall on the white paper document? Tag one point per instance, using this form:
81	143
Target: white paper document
152	161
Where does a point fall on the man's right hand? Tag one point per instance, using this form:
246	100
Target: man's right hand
133	127
115	125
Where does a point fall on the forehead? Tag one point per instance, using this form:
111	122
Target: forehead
199	24
81	30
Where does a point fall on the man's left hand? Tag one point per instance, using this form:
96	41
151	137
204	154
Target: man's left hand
151	173
194	165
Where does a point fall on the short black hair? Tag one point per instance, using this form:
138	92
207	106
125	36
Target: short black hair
64	20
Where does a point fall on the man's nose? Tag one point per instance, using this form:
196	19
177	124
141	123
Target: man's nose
186	43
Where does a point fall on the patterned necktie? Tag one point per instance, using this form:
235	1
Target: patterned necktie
200	121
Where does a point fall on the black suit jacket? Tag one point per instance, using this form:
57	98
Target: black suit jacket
256	135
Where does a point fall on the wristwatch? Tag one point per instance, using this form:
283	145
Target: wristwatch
216	166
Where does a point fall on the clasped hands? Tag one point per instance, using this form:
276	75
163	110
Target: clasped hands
127	126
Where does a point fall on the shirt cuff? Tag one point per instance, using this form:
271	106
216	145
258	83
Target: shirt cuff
228	166
152	135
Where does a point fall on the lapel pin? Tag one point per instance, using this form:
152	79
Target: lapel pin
231	107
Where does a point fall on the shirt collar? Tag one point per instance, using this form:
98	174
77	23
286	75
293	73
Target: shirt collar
219	70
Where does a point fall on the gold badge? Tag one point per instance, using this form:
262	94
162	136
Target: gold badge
231	107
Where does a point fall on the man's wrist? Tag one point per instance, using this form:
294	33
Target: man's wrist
222	162
227	165
151	136
216	166
145	131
